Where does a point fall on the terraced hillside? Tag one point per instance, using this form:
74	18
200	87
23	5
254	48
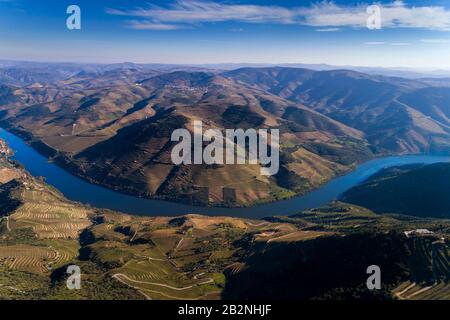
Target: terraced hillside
39	238
30	258
119	135
176	258
111	124
42	209
197	257
411	252
41	233
431	271
38	228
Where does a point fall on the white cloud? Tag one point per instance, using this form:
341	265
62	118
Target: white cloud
438	41
148	25
323	14
194	11
375	43
381	43
394	15
328	30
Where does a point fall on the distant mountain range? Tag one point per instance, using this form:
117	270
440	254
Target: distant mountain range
111	124
410	73
397	115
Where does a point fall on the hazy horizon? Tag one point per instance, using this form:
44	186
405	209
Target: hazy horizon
234	64
413	34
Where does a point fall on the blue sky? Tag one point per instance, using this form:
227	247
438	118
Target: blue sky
413	33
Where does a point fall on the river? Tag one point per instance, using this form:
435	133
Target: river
77	189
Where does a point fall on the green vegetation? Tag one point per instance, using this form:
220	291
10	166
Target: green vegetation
417	190
197	257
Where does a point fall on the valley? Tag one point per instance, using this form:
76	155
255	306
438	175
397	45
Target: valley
118	135
225	158
82	191
228	232
193	257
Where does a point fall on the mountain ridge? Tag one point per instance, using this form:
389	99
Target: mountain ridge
329	121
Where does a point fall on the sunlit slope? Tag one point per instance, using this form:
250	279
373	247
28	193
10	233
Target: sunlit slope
397	115
119	136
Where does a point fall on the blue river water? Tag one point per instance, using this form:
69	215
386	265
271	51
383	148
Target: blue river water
77	189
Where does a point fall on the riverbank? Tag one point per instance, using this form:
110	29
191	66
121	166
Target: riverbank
203	194
77	189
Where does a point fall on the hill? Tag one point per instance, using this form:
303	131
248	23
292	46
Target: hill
111	124
198	257
119	136
397	115
417	190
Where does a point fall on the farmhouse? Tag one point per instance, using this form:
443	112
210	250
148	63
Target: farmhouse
418	232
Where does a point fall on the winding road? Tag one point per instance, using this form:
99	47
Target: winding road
118	275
